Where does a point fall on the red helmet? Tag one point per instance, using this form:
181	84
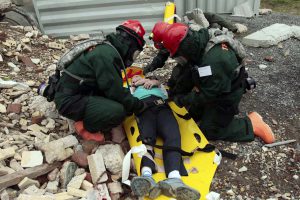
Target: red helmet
173	36
157	33
135	29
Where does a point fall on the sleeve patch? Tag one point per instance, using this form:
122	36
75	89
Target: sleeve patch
204	71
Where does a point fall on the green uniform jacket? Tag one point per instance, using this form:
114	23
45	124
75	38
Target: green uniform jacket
104	65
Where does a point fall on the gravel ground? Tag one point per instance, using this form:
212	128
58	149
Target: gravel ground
268	173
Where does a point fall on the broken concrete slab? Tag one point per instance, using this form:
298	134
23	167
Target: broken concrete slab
7	153
31	158
270	35
26	182
33	190
97	168
296	31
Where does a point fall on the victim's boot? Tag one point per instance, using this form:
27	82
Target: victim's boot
261	129
86	135
145	186
174	187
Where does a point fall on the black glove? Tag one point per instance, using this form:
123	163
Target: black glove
141	110
177	100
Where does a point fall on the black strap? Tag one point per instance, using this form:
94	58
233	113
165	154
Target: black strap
238	82
208	148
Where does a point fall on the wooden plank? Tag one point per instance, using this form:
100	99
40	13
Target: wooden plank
14	178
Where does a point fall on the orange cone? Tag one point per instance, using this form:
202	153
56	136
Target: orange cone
86	135
261	129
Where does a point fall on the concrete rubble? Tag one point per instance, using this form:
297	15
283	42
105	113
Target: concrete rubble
34	137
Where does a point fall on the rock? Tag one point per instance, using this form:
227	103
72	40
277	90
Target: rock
269	58
118	134
37	128
63	196
265	11
31	158
67	173
7	153
34	190
26	182
241	28
2	108
14	108
12	65
35	197
80	158
53	175
52	187
54	45
6	170
115	187
230	192
80	37
37	119
51	124
296	177
286	53
274	122
14	85
35	60
27	61
213	196
89	145
243	169
79	171
113	157
97	168
4	195
15	165
27	49
262	67
76	181
77	192
86	185
1	59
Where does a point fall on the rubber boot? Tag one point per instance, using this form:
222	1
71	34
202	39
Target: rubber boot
86	135
145	186
261	129
174	187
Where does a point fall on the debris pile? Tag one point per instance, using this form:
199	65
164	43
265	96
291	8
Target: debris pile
39	156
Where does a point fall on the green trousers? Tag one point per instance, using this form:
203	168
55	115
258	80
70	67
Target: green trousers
217	124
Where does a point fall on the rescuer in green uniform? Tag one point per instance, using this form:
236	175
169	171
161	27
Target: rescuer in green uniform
210	84
101	102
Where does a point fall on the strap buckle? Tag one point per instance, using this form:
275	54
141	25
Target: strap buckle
159	102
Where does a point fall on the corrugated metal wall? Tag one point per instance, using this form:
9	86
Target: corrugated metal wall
215	6
66	17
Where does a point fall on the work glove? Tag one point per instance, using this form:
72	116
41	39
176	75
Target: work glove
178	100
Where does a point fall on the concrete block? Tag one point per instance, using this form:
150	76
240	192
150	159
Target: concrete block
31	158
269	36
115	187
77	192
97	168
69	141
33	190
113	157
86	185
7	153
26	182
77	181
53	175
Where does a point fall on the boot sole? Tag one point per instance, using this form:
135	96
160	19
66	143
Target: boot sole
184	193
140	186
